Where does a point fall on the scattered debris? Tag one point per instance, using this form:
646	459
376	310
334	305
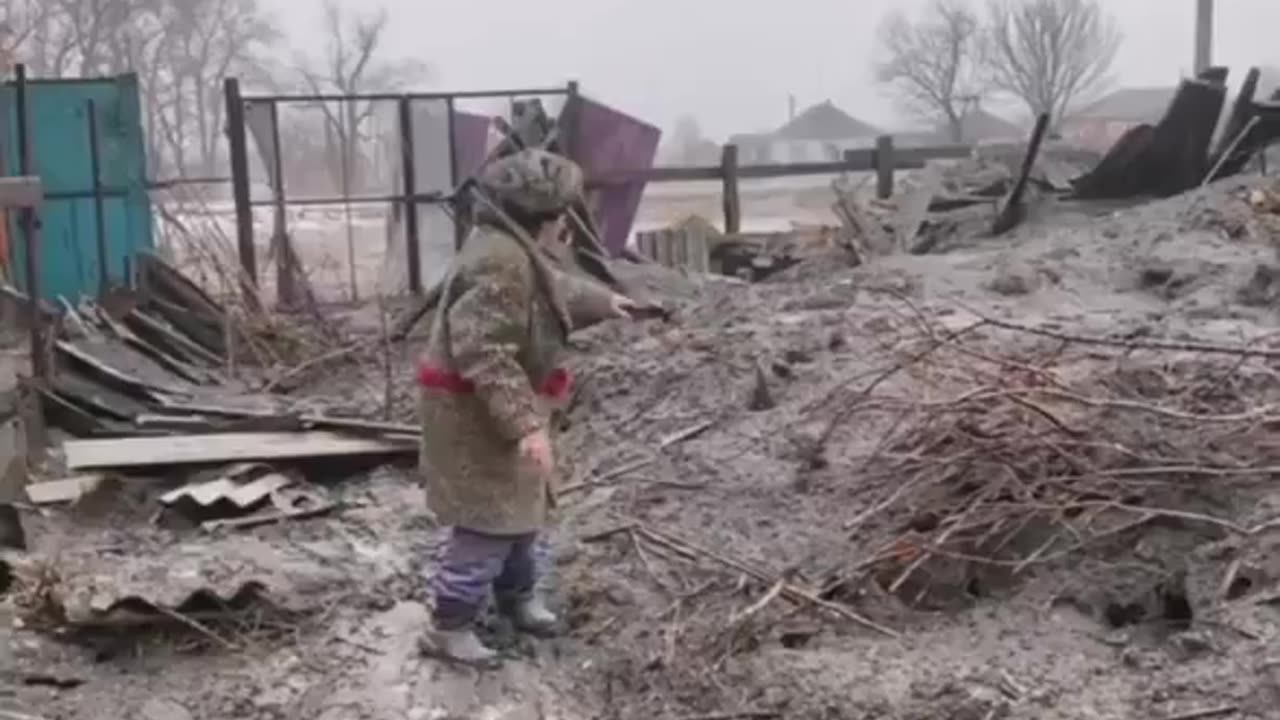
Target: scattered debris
761	396
66	490
242	486
1174	155
139	452
914	208
11	533
1012	209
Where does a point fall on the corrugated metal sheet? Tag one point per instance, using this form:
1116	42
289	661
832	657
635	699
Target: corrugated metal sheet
243	486
96	587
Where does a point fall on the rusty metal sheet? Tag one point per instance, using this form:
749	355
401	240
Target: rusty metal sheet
94	587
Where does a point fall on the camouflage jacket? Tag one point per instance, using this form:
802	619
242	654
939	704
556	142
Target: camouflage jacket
491	374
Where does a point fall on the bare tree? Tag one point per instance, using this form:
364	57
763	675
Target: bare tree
35	34
350	65
932	65
203	41
180	50
1050	54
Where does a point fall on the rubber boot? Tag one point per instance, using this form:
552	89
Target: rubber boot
459	646
530	614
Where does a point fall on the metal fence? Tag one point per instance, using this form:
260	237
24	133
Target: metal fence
343	180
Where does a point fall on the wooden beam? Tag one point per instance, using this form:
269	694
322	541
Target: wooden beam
24	191
137	452
884	166
1012	211
863	160
732	201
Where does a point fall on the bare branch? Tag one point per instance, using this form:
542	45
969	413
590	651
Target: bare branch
1050	54
931	63
351	65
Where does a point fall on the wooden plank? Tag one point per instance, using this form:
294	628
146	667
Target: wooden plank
884	166
730	196
914	207
862	160
1241	114
63	491
1012	209
227	447
24	191
161	334
123	381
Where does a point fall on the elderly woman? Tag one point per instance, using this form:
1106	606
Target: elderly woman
489	380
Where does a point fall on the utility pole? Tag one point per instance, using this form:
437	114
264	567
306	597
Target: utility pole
1204	35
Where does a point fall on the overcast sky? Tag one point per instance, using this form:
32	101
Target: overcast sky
733	63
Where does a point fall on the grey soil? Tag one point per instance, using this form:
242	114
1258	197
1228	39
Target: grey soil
1138	626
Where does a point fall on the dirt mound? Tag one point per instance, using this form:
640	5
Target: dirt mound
1030	477
935	512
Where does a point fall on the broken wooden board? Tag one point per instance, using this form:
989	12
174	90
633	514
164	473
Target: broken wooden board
1013	208
177	366
224	447
1120	173
98	398
160	278
865	232
1164	160
914	207
164	336
66	490
90	357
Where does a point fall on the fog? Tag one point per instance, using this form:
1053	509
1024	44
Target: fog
733	64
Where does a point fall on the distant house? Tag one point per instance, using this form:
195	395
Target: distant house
1268	81
1099	125
819	134
976	127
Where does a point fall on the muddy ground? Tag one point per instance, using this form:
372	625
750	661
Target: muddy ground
722	549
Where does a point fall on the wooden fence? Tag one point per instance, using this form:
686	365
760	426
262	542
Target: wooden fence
883	159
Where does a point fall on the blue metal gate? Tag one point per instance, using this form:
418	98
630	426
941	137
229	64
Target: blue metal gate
58	125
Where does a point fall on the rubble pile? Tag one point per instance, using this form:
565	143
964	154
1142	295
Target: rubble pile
912	457
163	394
877	491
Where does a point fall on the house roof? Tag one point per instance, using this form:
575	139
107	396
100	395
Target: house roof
825	121
1269	81
976	126
1129	104
982	125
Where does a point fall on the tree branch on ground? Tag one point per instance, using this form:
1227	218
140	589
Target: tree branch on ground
1050	54
931	63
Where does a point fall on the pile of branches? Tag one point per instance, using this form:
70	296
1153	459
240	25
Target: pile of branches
1003	449
1004	461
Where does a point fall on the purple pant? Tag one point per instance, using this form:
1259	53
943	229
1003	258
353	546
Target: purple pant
474	563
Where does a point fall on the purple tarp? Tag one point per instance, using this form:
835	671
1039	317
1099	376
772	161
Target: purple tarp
607	141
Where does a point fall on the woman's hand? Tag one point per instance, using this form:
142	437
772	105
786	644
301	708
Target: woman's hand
623	306
628	309
536	448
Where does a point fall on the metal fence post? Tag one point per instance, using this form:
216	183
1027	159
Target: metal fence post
31	399
237	147
407	155
286	260
99	222
31	234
